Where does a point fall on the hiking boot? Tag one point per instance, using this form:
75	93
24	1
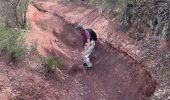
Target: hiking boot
84	64
88	68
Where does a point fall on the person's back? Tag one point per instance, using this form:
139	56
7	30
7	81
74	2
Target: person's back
93	34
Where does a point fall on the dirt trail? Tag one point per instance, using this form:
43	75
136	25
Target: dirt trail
115	76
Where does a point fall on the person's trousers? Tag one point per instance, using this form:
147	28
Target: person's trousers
88	53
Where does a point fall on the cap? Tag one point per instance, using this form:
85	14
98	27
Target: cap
79	27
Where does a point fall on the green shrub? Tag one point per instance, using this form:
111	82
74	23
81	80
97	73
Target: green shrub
12	42
17	51
7	38
52	62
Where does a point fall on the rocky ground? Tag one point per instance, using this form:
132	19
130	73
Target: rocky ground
115	76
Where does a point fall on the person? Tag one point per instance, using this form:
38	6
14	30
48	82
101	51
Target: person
89	45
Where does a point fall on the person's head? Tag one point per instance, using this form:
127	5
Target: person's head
79	28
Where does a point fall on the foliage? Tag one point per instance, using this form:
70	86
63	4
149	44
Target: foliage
12	42
17	51
139	13
153	14
52	62
12	20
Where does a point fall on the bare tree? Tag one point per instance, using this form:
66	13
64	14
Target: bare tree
13	13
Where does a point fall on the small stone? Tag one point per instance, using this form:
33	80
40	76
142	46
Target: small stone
169	98
119	91
81	94
10	63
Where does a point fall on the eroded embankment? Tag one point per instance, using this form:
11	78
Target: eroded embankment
115	76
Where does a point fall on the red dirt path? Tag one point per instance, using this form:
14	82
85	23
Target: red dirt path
114	76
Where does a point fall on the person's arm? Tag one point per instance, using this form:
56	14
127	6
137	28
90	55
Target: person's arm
88	38
87	44
88	41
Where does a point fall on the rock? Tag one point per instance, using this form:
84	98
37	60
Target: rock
3	97
2	77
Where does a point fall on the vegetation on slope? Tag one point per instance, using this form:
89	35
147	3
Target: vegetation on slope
153	14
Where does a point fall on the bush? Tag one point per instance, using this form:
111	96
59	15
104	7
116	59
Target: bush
12	43
17	51
52	62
